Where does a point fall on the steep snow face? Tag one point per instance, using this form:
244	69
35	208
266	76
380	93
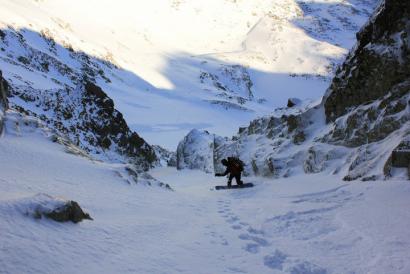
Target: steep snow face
222	62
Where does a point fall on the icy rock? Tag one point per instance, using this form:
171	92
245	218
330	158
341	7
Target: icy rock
314	161
196	151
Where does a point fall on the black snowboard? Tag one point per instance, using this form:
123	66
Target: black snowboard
234	186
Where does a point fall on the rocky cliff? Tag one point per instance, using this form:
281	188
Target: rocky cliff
87	117
368	98
3	99
379	62
59	86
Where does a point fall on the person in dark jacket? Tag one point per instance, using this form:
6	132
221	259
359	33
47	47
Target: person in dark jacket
234	168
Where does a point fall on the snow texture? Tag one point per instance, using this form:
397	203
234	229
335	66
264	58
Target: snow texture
302	224
168	67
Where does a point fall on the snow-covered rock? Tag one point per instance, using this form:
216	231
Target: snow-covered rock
44	205
59	86
196	151
166	157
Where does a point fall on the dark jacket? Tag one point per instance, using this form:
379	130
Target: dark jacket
233	168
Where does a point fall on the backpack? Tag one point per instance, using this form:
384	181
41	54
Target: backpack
236	162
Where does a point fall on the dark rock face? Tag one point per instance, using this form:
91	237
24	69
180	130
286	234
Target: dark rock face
114	129
4	92
373	122
3	99
369	97
380	61
401	155
71	211
293	102
290	103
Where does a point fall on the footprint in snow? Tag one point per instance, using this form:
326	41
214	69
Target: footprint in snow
307	268
232	219
276	260
281	261
258	240
252	230
252	248
236	227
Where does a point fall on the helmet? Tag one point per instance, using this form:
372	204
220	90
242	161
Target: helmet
224	162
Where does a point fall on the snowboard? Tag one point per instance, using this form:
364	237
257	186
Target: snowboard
234	186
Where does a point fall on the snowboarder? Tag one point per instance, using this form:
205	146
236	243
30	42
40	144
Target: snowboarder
234	167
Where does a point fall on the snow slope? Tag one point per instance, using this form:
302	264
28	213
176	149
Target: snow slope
304	224
221	62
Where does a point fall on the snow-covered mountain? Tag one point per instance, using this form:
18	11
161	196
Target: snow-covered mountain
360	129
170	66
83	85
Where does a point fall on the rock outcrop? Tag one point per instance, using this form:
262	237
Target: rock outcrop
369	97
44	205
69	100
70	211
379	63
87	116
3	99
196	151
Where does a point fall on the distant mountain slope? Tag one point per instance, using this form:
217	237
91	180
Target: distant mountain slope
61	92
222	62
360	130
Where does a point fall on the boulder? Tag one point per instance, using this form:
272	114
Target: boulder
196	151
57	209
70	211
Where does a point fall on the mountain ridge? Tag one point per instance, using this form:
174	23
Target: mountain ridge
357	143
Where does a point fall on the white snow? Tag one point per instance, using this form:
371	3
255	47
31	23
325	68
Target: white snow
303	224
